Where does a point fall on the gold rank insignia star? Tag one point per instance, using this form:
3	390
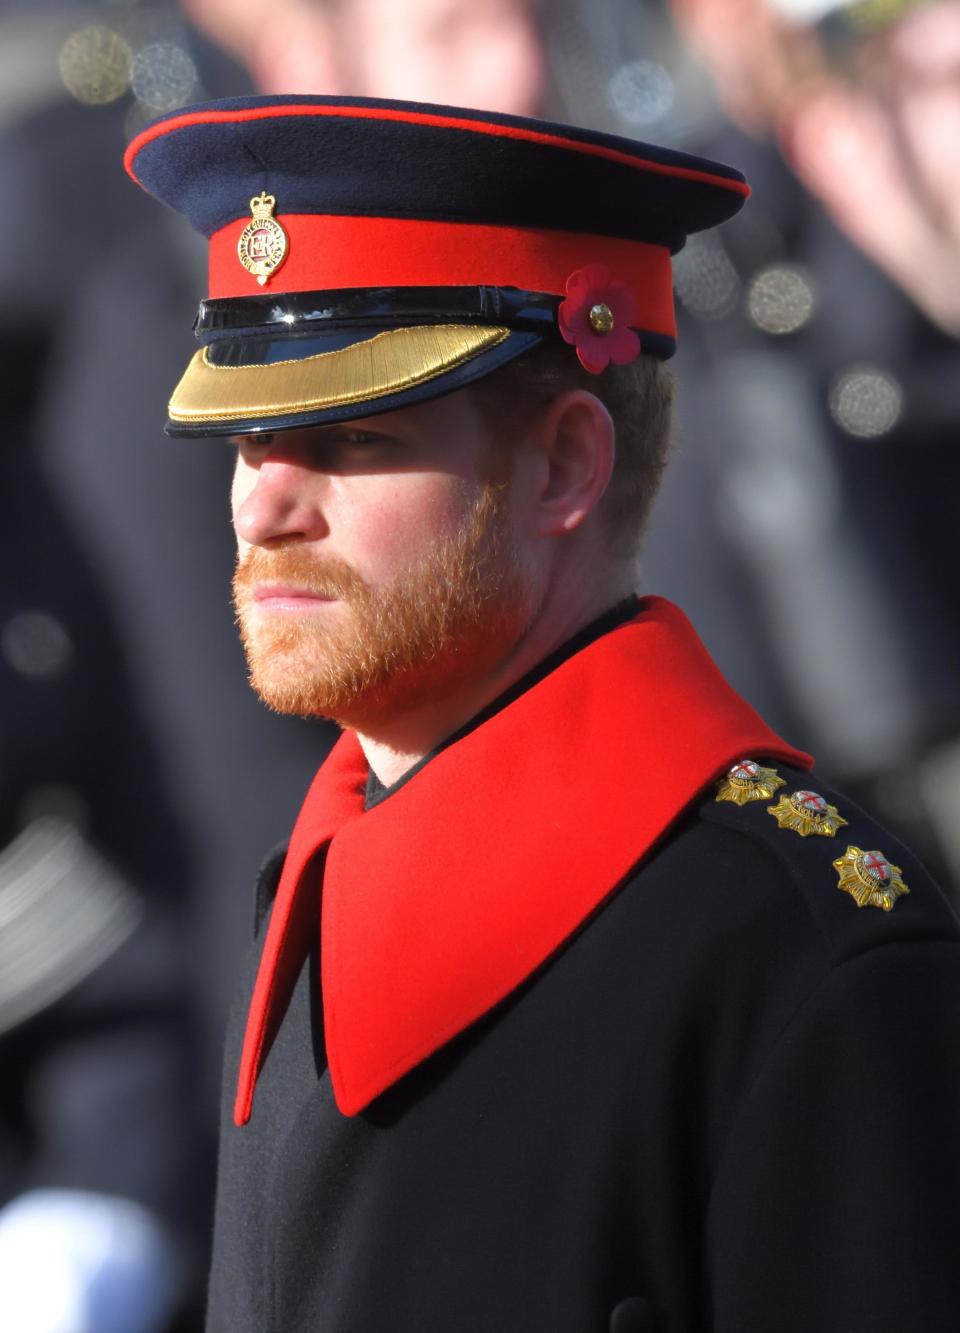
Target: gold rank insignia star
262	245
807	812
748	781
870	879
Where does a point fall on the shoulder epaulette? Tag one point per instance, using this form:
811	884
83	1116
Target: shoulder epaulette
862	886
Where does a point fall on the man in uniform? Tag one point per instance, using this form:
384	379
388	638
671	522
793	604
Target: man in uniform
577	1004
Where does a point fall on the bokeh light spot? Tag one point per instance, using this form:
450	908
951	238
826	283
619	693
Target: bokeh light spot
95	65
866	402
36	644
704	278
781	299
164	76
642	92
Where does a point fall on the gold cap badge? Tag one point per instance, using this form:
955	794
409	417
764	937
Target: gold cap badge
870	879
807	812
262	246
748	781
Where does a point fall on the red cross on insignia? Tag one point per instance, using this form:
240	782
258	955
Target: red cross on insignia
747	781
876	865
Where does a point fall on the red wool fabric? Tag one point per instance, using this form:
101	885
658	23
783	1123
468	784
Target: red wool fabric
328	252
443	899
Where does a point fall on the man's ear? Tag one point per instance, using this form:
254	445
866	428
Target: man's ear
575	437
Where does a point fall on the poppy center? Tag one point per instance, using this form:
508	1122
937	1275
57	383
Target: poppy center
600	318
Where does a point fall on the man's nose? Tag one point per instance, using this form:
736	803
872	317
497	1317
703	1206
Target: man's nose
285	502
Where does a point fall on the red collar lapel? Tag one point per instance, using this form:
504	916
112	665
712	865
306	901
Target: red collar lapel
444	898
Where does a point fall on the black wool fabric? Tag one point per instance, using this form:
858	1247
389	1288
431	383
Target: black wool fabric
728	1105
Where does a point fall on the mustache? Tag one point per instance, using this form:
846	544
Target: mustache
324	576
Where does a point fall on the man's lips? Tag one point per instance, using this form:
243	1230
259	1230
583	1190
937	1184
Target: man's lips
288	597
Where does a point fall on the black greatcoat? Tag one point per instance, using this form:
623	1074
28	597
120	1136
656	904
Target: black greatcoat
729	1103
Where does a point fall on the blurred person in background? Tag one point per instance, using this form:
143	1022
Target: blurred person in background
863	103
866	109
98	1142
98	1137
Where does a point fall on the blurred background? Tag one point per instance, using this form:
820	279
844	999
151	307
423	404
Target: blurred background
809	523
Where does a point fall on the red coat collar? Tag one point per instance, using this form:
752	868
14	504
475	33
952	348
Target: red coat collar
443	899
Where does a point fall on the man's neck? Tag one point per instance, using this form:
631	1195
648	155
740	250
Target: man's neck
397	745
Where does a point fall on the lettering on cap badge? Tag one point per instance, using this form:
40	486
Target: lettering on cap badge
262	246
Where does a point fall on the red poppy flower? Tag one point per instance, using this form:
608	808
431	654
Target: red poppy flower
595	318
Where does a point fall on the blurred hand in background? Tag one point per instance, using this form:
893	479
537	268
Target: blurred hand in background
866	112
477	53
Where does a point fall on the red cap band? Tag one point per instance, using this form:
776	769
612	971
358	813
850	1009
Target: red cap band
327	253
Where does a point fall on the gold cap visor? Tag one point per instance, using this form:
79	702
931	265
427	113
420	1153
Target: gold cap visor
379	367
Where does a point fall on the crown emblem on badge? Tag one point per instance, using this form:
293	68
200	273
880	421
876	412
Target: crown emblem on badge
262	245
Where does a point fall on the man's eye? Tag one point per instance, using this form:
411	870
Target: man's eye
360	437
253	444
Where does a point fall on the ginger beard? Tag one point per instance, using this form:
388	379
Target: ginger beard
438	621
